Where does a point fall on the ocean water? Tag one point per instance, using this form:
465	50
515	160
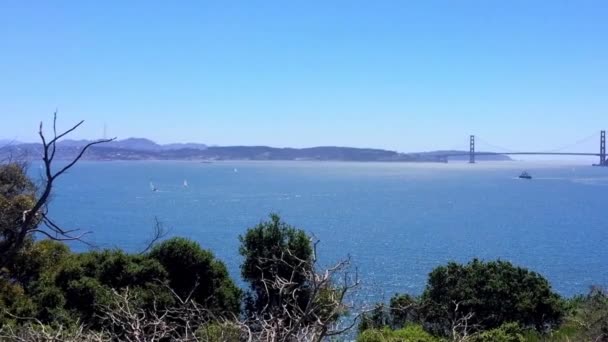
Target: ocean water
396	221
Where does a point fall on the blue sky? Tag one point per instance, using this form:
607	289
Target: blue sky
402	75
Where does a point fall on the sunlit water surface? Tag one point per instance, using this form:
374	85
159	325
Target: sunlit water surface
396	221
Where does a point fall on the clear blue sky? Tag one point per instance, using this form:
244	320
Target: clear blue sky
403	75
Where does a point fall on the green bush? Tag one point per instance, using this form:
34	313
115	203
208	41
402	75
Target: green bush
494	292
17	196
377	318
508	332
216	332
410	333
588	320
37	260
86	280
274	249
193	270
404	309
15	301
32	292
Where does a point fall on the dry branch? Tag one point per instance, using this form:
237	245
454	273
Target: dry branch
36	220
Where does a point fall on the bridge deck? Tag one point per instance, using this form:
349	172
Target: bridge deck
523	153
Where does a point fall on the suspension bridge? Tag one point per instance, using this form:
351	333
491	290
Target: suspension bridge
472	153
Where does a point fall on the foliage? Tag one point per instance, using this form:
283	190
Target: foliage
274	249
17	197
37	260
86	279
404	309
290	299
219	332
14	180
194	272
13	299
410	333
588	320
379	317
486	295
508	332
58	287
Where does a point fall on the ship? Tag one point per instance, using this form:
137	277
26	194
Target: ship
525	175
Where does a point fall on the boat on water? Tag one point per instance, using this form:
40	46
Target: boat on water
185	183
525	175
152	187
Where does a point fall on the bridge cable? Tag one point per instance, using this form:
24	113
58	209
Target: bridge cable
494	146
578	142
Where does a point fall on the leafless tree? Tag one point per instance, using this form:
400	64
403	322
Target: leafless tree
36	219
461	328
126	320
32	330
129	322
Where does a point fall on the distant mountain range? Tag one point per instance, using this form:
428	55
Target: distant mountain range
136	144
145	149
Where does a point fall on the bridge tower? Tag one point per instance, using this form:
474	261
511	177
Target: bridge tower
472	149
603	149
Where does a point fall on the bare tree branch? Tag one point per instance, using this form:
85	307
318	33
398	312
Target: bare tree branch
32	218
309	310
159	232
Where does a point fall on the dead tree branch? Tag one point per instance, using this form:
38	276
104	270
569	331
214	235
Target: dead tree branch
159	232
308	311
37	215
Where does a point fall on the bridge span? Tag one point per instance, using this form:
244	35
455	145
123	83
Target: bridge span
472	153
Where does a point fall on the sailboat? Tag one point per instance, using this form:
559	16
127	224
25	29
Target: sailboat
152	187
185	183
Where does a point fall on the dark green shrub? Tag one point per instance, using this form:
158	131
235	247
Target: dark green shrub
86	281
379	317
274	249
38	260
404	309
193	271
494	292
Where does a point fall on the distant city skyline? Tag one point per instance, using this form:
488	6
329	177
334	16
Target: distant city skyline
405	76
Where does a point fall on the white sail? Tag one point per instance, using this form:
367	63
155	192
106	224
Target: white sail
152	187
185	183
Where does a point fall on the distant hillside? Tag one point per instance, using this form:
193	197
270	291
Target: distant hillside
135	144
144	149
464	155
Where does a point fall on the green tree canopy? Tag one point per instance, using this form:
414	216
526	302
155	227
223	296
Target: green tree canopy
193	271
273	249
494	292
17	197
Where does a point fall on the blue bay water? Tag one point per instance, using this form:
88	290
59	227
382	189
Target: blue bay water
396	221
